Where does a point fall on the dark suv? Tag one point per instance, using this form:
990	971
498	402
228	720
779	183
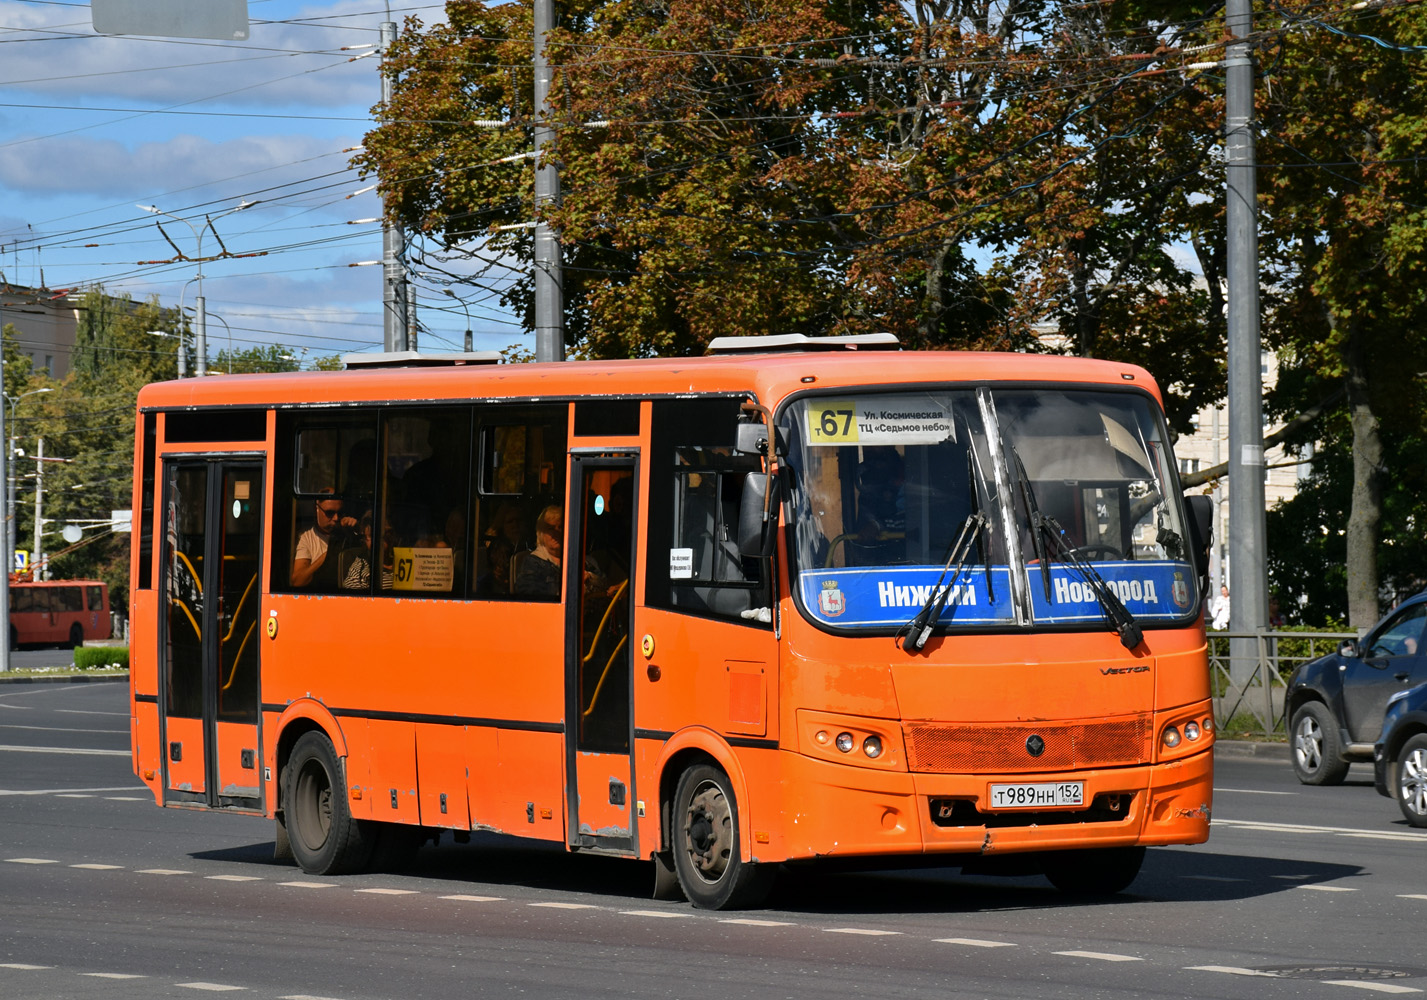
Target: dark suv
1336	702
1400	757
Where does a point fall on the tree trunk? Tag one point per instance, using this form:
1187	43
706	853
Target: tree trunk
1366	508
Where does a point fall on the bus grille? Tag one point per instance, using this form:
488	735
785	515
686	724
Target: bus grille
975	748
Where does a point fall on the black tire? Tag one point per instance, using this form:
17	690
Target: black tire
395	846
325	839
1099	871
1314	747
1409	780
14	638
76	636
707	861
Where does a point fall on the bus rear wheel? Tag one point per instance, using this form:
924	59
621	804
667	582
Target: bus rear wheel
325	838
1099	871
707	860
76	636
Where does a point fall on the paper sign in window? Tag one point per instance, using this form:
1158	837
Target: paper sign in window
681	564
423	569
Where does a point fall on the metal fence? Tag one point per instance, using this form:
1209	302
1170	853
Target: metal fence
1263	673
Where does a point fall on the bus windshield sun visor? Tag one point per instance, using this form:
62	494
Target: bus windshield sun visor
1046	528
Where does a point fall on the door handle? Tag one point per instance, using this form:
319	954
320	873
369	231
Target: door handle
1402	676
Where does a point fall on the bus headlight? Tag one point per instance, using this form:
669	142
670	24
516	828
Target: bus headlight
1191	731
872	747
1171	737
845	742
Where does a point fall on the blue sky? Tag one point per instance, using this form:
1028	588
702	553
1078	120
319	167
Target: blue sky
92	126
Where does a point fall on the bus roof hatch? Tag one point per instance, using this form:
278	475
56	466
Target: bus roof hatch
792	342
413	359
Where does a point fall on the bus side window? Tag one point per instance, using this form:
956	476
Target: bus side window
519	473
321	458
696	480
422	539
96	598
68	599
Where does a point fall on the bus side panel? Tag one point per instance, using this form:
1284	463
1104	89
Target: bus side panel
144	740
390	758
1182	678
441	776
185	741
532	784
706	673
483	779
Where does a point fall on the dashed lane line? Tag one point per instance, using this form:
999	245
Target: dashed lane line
1327	888
99	868
23	967
1259	826
311	885
566	906
378	891
1375	987
32	861
235	878
1411	895
865	931
654	913
210	987
1099	956
976	942
475	899
1251	791
59	791
112	975
162	871
753	922
1232	970
75	751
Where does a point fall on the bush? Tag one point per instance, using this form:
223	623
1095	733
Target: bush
98	657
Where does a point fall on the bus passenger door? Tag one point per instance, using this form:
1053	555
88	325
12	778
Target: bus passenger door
599	620
209	696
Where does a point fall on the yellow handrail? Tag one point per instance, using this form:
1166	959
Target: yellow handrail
594	644
239	657
197	577
233	619
196	630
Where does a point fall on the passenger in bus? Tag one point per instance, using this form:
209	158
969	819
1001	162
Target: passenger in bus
881	509
493	576
311	566
539	572
359	566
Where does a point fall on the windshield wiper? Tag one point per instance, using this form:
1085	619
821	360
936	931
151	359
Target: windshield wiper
914	635
1121	621
1037	519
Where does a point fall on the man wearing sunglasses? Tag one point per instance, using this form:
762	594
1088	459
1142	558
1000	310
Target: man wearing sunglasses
315	543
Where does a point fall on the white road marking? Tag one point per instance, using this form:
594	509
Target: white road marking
1375	987
476	899
567	906
66	729
391	892
654	913
1400	835
867	931
1292	878
1214	878
1327	888
74	795
56	791
977	942
124	798
1411	895
1099	956
80	711
68	750
163	871
1252	791
303	996
32	861
99	868
1255	825
210	987
23	967
112	975
1233	971
751	922
310	885
234	878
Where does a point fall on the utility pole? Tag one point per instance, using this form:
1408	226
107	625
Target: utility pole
549	304
1248	580
6	550
394	309
200	327
37	557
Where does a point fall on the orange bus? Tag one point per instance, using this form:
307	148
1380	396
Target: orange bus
802	599
58	612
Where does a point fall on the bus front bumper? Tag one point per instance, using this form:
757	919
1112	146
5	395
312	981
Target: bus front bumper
840	811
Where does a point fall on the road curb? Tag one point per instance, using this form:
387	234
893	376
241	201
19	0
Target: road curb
64	679
1250	748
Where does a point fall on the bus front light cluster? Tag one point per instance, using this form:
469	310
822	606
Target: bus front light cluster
851	740
1183	733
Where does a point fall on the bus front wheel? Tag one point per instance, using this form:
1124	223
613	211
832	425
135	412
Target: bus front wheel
1099	871
707	861
325	838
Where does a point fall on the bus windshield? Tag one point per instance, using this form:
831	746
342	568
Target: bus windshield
1028	504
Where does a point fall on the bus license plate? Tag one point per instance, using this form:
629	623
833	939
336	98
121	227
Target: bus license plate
1039	796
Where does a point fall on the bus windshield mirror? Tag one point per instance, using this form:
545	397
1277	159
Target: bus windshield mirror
1118	616
914	635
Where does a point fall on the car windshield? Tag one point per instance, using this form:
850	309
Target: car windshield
1065	486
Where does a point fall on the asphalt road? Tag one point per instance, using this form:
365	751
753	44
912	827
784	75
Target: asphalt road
1300	892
